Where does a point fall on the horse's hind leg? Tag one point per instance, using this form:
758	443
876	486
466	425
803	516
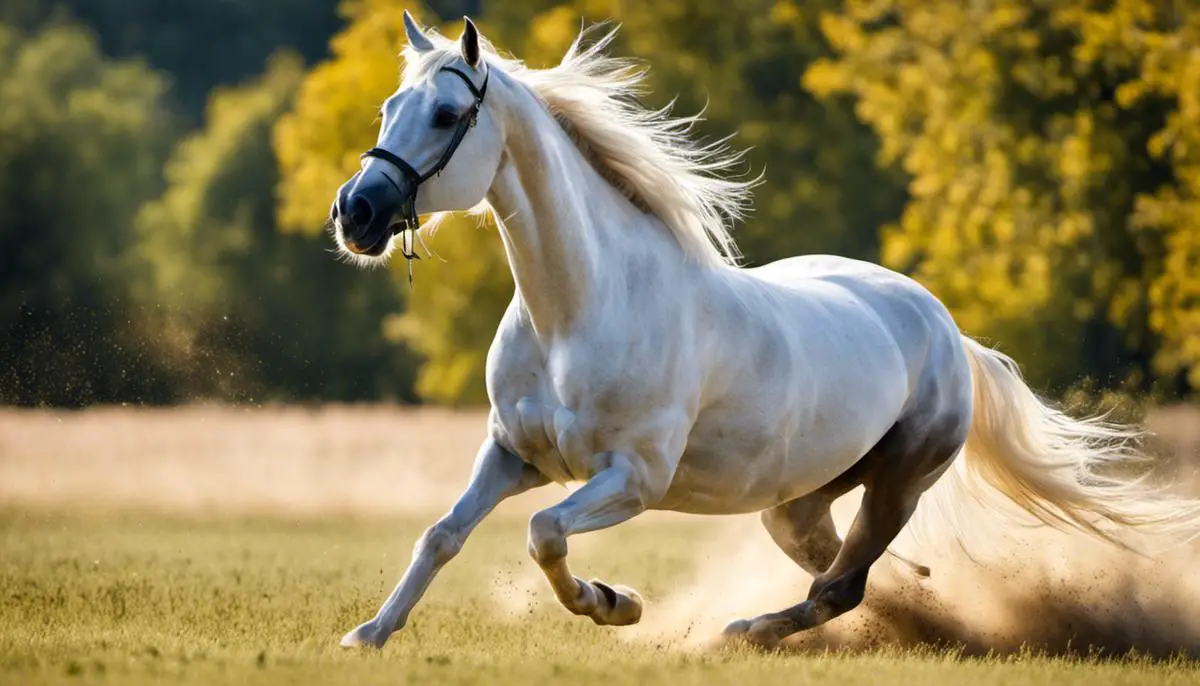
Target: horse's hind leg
894	475
803	528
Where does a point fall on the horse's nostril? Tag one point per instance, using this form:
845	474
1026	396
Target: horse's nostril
361	212
333	211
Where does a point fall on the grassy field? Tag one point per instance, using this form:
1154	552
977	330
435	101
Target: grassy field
182	581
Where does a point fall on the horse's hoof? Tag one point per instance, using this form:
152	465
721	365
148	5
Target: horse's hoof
366	635
759	633
621	605
736	628
764	634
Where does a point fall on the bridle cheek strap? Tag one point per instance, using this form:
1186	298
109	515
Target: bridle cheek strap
410	221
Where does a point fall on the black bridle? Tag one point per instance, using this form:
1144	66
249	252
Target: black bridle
409	222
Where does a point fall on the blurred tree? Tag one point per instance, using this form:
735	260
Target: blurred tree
81	141
1169	219
1050	149
240	309
200	43
453	313
823	192
743	63
1053	184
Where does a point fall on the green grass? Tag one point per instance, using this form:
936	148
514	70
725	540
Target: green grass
152	599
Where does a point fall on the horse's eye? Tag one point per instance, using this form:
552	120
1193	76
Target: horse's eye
444	118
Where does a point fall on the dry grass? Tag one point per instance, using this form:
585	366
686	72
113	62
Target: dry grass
284	460
292	460
216	544
134	599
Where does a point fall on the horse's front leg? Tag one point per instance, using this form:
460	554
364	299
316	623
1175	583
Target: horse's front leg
498	474
612	496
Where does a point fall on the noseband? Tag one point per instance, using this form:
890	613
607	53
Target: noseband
409	220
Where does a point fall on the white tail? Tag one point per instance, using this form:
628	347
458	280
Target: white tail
1072	474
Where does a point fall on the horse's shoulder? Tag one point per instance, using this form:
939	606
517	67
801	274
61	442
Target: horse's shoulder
514	352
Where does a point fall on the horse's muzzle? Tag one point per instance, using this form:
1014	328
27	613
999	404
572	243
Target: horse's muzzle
365	212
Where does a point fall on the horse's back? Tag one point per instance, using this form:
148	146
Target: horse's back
790	270
914	318
864	279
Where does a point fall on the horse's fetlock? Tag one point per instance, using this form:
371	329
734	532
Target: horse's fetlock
586	602
841	594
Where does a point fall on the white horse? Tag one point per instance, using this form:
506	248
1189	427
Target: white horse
637	359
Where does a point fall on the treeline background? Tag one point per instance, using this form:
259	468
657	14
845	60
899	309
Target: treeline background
166	170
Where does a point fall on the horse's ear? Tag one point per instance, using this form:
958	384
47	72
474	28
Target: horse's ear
416	35
470	42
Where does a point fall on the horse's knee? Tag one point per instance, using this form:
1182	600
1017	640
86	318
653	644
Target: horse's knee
547	542
441	542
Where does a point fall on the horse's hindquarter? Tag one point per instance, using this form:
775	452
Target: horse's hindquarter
811	361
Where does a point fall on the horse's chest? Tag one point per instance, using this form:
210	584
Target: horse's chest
563	406
548	436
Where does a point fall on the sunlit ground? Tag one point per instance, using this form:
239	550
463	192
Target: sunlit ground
180	584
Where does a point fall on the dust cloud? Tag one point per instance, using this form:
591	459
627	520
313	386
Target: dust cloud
1035	590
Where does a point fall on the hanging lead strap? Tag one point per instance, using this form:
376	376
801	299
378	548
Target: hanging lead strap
408	248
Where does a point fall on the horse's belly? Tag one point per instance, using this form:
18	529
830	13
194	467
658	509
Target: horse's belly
732	474
767	446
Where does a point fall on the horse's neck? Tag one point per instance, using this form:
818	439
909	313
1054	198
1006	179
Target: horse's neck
560	221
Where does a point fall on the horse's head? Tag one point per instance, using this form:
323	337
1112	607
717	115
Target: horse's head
438	149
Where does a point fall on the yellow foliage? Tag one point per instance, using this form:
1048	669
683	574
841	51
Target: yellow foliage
452	313
1026	137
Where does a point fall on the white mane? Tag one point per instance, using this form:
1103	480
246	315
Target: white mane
646	154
